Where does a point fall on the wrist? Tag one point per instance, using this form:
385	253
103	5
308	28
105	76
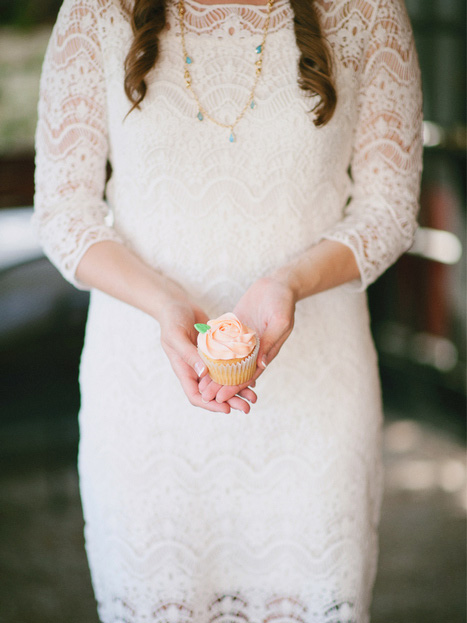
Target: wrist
165	294
303	276
287	278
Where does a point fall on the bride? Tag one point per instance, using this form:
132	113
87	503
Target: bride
265	160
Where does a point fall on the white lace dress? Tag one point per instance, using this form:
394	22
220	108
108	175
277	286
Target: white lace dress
191	516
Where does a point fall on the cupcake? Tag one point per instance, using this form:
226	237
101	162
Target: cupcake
229	349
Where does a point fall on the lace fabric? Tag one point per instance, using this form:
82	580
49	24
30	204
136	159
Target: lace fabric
373	41
379	223
193	517
227	20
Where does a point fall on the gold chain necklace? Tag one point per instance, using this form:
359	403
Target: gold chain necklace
202	112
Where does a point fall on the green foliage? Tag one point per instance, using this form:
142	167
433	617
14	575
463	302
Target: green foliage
23	13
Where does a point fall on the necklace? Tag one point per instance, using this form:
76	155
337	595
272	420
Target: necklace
250	103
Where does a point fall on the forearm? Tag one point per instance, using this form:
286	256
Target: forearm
114	269
325	265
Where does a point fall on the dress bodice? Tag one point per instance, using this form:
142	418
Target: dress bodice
281	187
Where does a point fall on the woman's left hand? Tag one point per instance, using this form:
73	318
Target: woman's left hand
268	306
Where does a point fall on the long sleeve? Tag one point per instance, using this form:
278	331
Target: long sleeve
380	219
71	141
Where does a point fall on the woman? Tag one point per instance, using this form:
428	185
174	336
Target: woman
233	189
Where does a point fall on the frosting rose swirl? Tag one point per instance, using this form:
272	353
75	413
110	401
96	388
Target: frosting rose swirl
227	338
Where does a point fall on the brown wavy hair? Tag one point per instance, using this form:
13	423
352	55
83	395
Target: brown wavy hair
148	18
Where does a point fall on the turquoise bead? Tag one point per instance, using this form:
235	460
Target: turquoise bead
200	116
231	137
253	104
258	49
188	60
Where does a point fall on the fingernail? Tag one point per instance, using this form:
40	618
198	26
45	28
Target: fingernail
205	401
263	362
199	368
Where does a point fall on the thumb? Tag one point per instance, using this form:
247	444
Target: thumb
271	341
188	352
192	358
265	346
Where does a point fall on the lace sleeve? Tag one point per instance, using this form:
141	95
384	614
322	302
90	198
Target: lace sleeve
71	141
379	221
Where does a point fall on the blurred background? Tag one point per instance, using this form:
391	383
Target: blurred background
419	324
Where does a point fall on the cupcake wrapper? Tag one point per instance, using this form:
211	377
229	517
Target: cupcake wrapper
232	373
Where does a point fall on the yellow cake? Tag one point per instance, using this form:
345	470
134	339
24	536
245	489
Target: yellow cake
229	349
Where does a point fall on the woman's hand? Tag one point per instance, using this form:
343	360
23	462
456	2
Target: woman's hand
178	337
268	306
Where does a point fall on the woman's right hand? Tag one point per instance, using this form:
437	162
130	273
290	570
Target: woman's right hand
113	268
177	318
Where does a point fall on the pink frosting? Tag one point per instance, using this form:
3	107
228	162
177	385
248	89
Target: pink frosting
227	338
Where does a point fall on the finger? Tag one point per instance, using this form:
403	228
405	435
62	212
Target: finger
209	392
197	401
188	352
226	392
238	404
204	382
221	393
189	383
275	350
272	340
248	394
214	406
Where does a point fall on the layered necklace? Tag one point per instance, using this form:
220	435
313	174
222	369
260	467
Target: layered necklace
250	103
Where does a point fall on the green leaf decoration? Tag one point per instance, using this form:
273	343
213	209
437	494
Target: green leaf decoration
202	328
